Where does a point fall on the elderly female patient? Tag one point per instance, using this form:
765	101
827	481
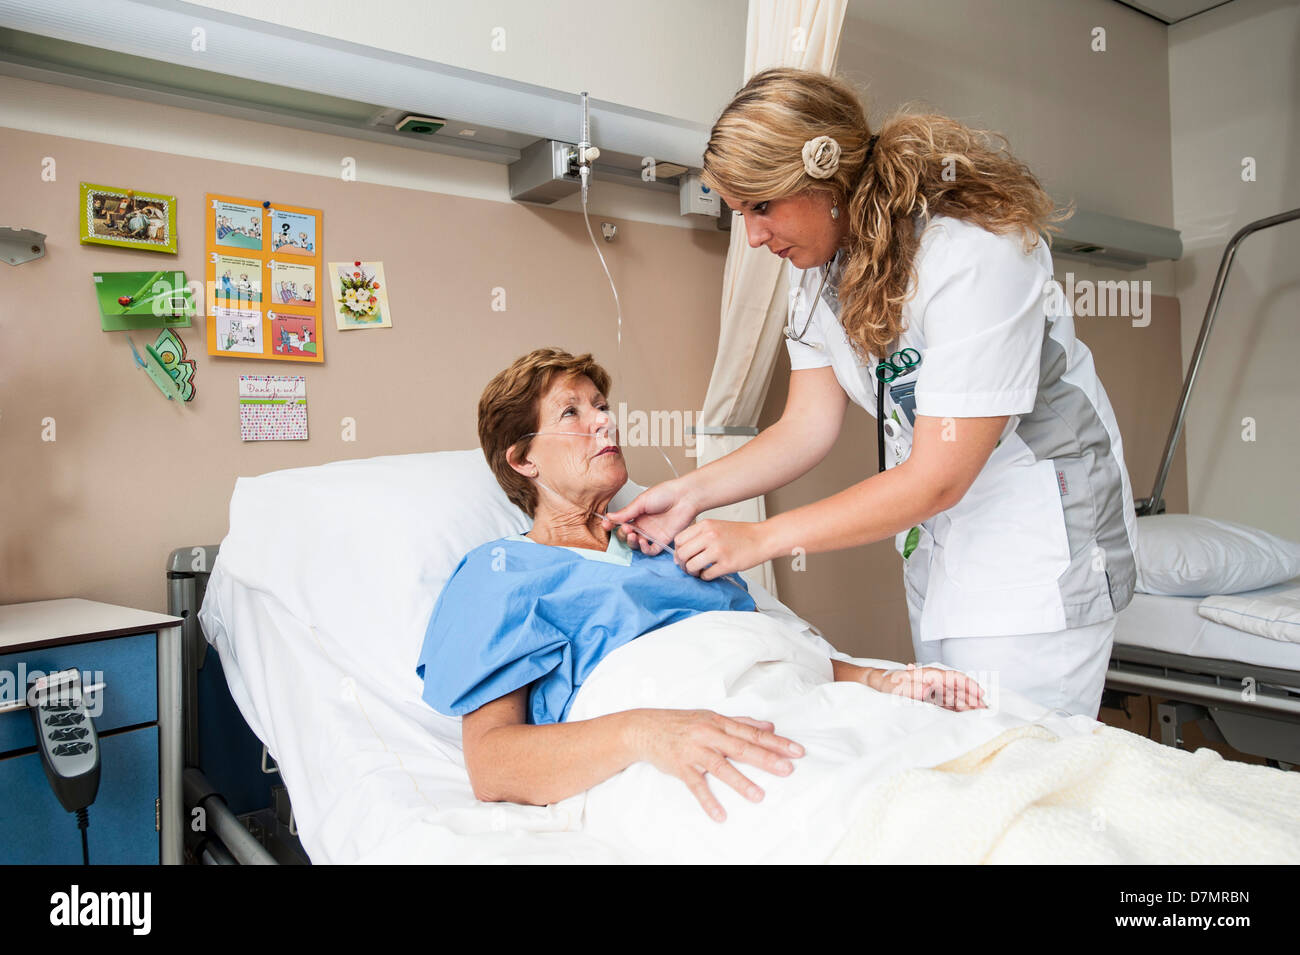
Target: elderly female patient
525	619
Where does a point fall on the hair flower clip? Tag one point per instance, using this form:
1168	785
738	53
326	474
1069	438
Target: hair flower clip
821	157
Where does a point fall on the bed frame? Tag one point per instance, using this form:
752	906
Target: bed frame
238	808
1254	709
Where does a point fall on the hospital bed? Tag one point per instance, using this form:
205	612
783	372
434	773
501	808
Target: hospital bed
267	675
1163	647
301	643
301	640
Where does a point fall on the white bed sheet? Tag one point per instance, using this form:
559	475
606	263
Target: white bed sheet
1172	624
375	775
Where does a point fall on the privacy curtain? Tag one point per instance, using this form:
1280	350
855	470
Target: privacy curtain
803	34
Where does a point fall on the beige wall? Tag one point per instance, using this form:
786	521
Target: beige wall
95	117
1235	82
130	475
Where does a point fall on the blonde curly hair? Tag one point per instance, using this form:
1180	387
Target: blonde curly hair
923	165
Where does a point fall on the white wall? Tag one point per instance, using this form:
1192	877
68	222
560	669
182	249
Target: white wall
1235	92
1094	126
680	58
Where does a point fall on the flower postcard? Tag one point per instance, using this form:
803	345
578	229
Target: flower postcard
360	294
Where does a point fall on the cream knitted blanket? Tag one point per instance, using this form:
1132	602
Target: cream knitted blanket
1109	797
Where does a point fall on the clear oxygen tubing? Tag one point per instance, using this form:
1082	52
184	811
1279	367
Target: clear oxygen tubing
584	172
602	433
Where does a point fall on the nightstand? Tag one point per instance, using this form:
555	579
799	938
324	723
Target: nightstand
130	665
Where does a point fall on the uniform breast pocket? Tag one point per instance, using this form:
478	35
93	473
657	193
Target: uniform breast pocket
1014	537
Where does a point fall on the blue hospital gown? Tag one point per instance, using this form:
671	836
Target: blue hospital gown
517	612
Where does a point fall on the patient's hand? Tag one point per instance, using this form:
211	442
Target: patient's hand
691	744
951	689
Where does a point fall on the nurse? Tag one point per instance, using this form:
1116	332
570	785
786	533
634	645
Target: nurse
921	289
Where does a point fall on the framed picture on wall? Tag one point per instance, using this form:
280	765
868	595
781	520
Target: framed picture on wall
129	218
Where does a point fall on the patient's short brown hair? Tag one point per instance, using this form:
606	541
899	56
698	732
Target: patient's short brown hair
511	404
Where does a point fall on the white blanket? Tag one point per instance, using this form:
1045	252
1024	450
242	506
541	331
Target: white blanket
1272	613
746	664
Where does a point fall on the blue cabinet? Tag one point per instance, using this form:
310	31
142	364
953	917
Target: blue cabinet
37	829
128	662
127	666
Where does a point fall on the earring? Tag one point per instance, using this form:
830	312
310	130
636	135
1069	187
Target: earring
835	211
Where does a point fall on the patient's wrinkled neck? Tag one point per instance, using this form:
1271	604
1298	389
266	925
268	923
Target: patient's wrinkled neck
570	527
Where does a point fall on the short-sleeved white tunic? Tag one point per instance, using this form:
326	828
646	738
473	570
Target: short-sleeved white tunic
1044	539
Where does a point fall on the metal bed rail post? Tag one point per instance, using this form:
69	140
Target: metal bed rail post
171	758
187	574
227	840
1152	504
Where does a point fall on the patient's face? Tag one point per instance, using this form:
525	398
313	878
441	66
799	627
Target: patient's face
586	468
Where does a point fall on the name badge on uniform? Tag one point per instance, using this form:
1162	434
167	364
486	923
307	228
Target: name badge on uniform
901	363
904	396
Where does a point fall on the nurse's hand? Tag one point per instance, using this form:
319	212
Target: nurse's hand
713	548
950	689
694	744
662	510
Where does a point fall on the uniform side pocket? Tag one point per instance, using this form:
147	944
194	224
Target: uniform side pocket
1015	538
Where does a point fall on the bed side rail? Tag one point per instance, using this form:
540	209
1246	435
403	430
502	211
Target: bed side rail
224	840
1153	504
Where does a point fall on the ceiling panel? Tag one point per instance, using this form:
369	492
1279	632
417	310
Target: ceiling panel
1171	11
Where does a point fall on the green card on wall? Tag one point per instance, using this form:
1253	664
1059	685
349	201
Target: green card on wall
160	299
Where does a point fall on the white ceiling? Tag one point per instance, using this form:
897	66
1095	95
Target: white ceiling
1171	11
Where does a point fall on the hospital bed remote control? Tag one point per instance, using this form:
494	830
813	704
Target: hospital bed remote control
66	738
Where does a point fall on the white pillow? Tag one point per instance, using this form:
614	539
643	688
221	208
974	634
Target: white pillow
1180	555
1274	614
361	549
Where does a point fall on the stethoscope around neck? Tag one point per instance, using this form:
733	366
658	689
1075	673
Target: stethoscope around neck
900	363
789	328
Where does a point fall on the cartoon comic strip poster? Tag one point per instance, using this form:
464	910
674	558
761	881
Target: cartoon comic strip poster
264	273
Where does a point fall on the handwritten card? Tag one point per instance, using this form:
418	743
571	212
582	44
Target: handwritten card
272	408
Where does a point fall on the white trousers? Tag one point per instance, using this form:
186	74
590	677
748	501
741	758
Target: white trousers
1064	670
